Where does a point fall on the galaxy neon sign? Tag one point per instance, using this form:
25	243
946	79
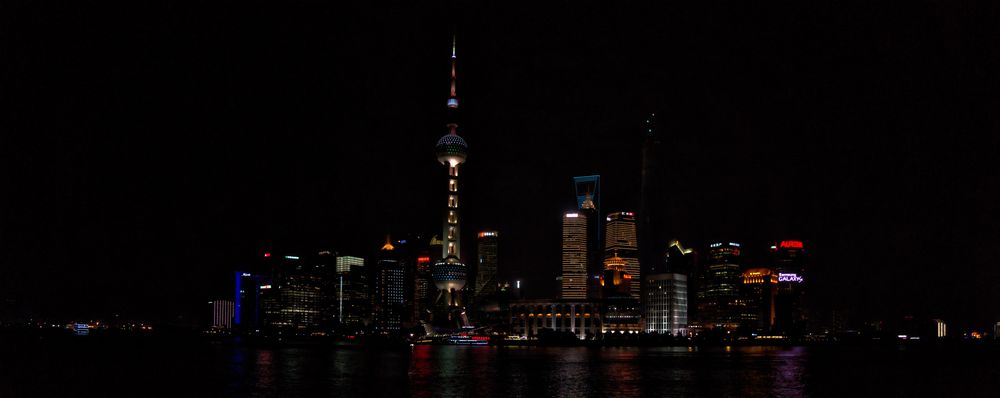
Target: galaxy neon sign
789	278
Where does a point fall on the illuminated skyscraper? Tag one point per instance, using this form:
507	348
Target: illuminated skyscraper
574	256
296	299
222	314
760	285
788	259
388	291
353	305
621	312
588	202
486	268
346	263
247	302
649	236
620	240
719	300
940	328
588	185
449	272
666	293
421	285
666	303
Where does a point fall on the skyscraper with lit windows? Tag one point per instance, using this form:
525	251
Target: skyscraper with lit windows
574	256
760	285
388	291
720	303
666	292
788	259
620	240
353	303
621	312
487	247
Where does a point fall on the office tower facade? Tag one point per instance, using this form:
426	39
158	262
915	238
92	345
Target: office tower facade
422	284
574	256
222	314
588	202
620	240
677	260
719	300
940	328
347	263
760	286
247	301
487	248
621	312
666	304
788	260
388	291
353	303
296	296
650	236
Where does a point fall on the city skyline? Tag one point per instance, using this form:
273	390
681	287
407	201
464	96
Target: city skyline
126	192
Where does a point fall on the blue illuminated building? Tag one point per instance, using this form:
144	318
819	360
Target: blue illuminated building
246	302
588	202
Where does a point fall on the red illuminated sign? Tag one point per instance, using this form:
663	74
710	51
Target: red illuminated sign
423	259
791	244
267	254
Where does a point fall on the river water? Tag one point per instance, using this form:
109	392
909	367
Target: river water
151	367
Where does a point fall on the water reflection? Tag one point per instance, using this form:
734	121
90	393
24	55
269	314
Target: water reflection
613	371
435	371
235	370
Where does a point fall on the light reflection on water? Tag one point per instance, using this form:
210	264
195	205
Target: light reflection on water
163	368
622	372
437	371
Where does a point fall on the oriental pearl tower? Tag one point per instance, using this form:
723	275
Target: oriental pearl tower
449	272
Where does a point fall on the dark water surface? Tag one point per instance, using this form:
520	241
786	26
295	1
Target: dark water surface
138	368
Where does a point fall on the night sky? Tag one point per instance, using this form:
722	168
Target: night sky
148	149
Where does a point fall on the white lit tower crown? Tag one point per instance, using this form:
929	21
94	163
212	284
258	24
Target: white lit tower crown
449	272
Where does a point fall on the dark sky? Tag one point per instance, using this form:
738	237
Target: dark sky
149	148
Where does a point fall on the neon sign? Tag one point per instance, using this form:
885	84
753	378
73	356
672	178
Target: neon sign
789	278
423	259
791	244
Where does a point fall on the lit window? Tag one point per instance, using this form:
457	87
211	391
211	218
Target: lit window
453	185
452	201
453	171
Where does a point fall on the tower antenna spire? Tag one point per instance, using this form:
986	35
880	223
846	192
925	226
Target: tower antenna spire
453	99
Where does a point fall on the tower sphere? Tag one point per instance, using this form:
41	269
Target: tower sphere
451	150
